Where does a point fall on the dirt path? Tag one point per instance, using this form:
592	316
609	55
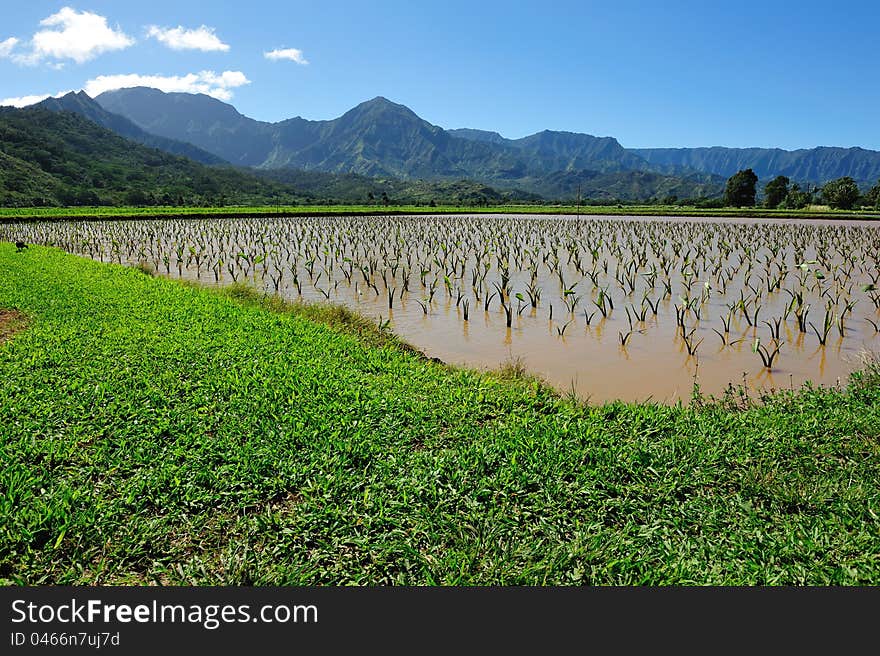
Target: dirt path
11	321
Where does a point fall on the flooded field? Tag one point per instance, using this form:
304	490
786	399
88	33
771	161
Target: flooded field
611	308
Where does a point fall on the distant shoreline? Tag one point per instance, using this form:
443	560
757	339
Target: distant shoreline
12	215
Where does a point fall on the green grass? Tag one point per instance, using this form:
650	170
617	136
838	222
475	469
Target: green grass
155	432
12	213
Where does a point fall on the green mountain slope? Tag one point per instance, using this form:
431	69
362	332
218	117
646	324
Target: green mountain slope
624	185
817	165
351	187
23	183
563	151
81	103
62	158
478	135
50	157
194	118
380	138
376	138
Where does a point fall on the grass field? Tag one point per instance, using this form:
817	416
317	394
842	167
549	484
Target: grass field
819	212
154	432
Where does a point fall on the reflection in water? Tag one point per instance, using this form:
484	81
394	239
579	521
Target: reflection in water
627	308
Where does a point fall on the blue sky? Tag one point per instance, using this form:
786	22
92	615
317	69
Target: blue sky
651	74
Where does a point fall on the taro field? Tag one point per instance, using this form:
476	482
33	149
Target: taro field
604	307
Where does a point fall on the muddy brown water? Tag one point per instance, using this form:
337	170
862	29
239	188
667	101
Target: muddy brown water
714	264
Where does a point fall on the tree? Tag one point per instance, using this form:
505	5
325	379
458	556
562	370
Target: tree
776	191
796	199
842	193
740	191
136	197
872	198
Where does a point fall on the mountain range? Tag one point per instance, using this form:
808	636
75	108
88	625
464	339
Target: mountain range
61	154
375	138
379	138
381	147
80	103
814	165
383	138
62	158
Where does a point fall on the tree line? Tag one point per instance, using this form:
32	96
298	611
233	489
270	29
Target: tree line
780	193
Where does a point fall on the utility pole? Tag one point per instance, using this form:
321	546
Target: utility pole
579	201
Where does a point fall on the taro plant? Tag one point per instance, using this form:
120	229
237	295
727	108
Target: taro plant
767	355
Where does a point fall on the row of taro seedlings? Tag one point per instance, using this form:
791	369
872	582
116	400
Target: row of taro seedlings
760	283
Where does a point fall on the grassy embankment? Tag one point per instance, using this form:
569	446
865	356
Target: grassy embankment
819	212
154	432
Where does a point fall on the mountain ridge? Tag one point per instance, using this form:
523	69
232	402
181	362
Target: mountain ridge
817	165
381	138
376	137
81	103
53	156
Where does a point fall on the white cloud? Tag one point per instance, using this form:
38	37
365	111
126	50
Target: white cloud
207	82
79	36
291	54
7	46
179	38
24	101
